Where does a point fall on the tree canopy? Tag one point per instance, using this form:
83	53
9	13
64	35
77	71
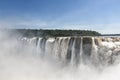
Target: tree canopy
55	33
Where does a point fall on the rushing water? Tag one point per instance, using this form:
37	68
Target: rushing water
76	50
60	58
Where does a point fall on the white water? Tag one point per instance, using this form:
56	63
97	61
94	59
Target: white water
72	54
17	62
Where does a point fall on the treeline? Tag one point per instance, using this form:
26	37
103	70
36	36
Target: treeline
55	33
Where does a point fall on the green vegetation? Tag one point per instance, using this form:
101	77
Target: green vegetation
55	33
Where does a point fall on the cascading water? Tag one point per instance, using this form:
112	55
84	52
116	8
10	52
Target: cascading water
76	50
38	46
81	50
73	53
60	58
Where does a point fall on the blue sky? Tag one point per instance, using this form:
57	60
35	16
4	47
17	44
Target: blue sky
99	15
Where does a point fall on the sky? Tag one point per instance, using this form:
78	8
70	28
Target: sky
99	15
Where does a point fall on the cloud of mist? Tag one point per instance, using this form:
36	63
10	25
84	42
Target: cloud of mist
18	62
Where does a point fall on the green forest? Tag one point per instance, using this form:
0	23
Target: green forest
54	33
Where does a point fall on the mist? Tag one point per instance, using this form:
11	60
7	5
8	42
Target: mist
18	62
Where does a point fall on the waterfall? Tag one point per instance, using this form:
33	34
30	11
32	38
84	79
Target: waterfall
49	47
94	55
38	46
81	49
76	50
73	54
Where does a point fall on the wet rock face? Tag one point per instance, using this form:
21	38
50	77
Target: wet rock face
87	46
98	41
77	49
42	44
73	50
